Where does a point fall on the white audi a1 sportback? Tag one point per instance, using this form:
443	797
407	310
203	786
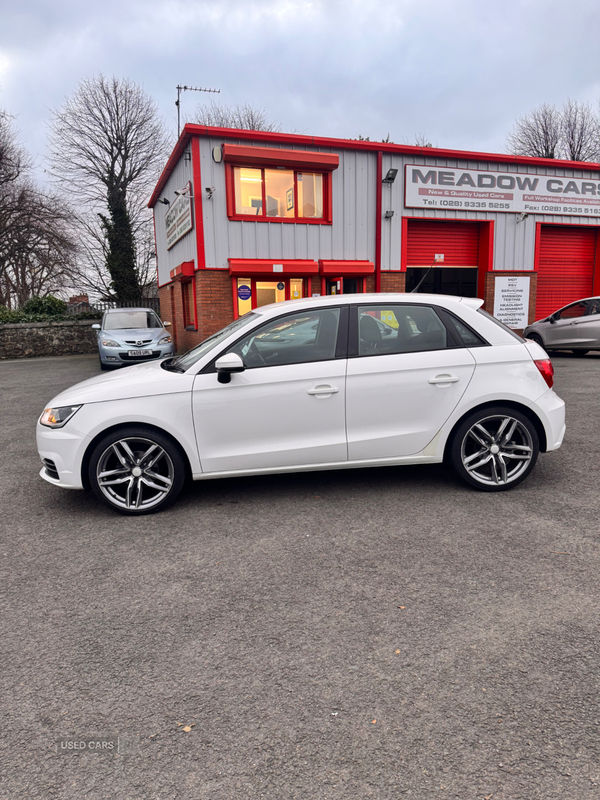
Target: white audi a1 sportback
319	383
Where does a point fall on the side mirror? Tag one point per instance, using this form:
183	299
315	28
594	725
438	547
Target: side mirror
227	364
166	324
95	327
552	319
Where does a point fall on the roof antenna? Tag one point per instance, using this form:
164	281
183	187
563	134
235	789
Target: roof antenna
181	89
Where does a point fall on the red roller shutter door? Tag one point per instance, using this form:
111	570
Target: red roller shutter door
566	266
458	241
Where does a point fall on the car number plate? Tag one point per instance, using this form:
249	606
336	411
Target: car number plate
139	353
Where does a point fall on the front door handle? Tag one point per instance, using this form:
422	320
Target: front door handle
323	390
444	379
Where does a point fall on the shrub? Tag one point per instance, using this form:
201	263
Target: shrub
49	306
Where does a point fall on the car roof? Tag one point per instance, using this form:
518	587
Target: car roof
137	308
444	300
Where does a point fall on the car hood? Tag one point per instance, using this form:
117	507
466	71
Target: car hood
139	380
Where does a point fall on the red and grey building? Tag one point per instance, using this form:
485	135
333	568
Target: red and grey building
245	218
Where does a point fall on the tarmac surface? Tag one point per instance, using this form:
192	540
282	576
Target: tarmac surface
383	633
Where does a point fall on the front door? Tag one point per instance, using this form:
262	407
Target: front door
287	409
565	330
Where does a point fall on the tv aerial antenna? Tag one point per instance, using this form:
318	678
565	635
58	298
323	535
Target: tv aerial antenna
181	89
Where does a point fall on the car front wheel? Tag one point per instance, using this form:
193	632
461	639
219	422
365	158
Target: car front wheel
535	337
494	449
136	470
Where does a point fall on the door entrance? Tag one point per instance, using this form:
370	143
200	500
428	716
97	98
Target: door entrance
461	281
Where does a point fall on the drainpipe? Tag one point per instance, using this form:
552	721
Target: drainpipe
378	192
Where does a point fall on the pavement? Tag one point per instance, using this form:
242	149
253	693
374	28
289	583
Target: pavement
383	633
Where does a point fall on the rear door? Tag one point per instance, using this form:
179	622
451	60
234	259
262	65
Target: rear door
588	327
402	387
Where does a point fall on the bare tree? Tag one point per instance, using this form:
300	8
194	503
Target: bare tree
242	116
107	147
572	132
580	132
422	140
537	133
37	246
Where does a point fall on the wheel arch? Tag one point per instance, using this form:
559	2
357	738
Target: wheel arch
525	410
121	426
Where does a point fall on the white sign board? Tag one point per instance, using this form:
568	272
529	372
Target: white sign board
178	219
475	190
511	300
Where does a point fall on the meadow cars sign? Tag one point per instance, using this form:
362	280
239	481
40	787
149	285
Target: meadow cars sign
178	218
476	190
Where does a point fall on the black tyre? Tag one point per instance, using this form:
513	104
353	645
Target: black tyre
580	352
535	337
494	449
136	470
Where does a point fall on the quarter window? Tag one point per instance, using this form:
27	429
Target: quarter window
278	193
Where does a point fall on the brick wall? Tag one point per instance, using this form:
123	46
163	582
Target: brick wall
33	339
393	281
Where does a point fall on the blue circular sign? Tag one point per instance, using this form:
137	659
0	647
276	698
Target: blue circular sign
244	292
281	286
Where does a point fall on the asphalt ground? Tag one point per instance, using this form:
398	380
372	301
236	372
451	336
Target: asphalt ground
382	633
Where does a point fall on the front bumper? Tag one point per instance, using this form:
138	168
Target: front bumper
119	357
61	452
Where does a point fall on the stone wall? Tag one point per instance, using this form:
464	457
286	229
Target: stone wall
32	339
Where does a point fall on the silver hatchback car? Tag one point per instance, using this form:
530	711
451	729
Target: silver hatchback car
130	336
575	327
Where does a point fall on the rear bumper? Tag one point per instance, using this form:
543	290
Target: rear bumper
551	410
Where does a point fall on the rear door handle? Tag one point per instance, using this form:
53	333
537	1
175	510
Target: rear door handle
322	390
444	379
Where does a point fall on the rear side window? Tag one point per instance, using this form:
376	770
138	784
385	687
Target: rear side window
400	329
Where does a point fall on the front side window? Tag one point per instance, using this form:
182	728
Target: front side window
400	329
293	339
572	311
278	193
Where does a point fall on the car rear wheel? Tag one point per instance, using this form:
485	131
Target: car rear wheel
136	470
494	449
580	352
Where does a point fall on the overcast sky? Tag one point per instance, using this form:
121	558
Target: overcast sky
458	71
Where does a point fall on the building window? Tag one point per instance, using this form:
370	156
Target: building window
187	298
280	194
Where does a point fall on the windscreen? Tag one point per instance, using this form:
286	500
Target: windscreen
137	318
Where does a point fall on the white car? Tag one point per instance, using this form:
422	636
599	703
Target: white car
370	380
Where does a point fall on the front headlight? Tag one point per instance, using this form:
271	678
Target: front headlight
57	417
110	343
165	340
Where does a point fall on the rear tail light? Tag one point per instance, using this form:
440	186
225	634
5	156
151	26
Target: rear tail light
546	370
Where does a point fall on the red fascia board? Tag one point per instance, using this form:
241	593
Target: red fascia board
265	156
169	167
346	267
185	270
246	267
354	144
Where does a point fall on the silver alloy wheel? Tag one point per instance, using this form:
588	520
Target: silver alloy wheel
497	450
135	473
